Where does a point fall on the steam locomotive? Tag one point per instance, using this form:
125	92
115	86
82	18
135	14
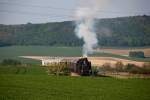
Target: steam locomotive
82	67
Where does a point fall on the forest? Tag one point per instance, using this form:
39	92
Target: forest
122	31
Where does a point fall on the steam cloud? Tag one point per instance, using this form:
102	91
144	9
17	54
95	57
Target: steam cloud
85	16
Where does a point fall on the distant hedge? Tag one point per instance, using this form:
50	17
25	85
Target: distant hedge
120	67
137	54
10	62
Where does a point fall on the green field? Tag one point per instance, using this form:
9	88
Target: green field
33	83
14	51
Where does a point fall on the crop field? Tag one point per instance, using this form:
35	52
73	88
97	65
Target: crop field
125	51
33	83
14	52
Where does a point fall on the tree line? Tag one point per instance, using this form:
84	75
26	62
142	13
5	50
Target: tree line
124	31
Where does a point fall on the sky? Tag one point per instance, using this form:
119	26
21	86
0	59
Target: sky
43	11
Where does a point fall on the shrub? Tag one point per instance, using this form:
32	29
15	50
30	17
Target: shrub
59	69
95	71
146	68
66	71
10	62
146	65
138	54
107	67
131	68
119	67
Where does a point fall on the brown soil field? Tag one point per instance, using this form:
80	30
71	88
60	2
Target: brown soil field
99	61
125	51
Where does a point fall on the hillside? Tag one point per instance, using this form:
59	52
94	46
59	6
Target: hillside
124	31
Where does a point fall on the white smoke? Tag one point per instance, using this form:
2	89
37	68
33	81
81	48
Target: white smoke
85	16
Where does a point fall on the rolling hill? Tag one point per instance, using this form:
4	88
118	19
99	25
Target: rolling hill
124	31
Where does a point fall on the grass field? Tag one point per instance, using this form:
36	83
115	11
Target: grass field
33	83
15	51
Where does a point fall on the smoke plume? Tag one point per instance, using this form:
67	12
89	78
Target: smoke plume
85	15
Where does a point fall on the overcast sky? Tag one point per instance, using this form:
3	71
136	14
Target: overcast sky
41	11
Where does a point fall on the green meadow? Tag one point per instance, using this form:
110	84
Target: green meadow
13	52
33	83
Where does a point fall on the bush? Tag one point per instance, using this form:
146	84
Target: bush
146	65
131	68
66	71
10	62
59	69
138	54
107	67
146	68
119	66
95	71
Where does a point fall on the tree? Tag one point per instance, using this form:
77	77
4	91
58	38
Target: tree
119	66
125	31
61	68
138	54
